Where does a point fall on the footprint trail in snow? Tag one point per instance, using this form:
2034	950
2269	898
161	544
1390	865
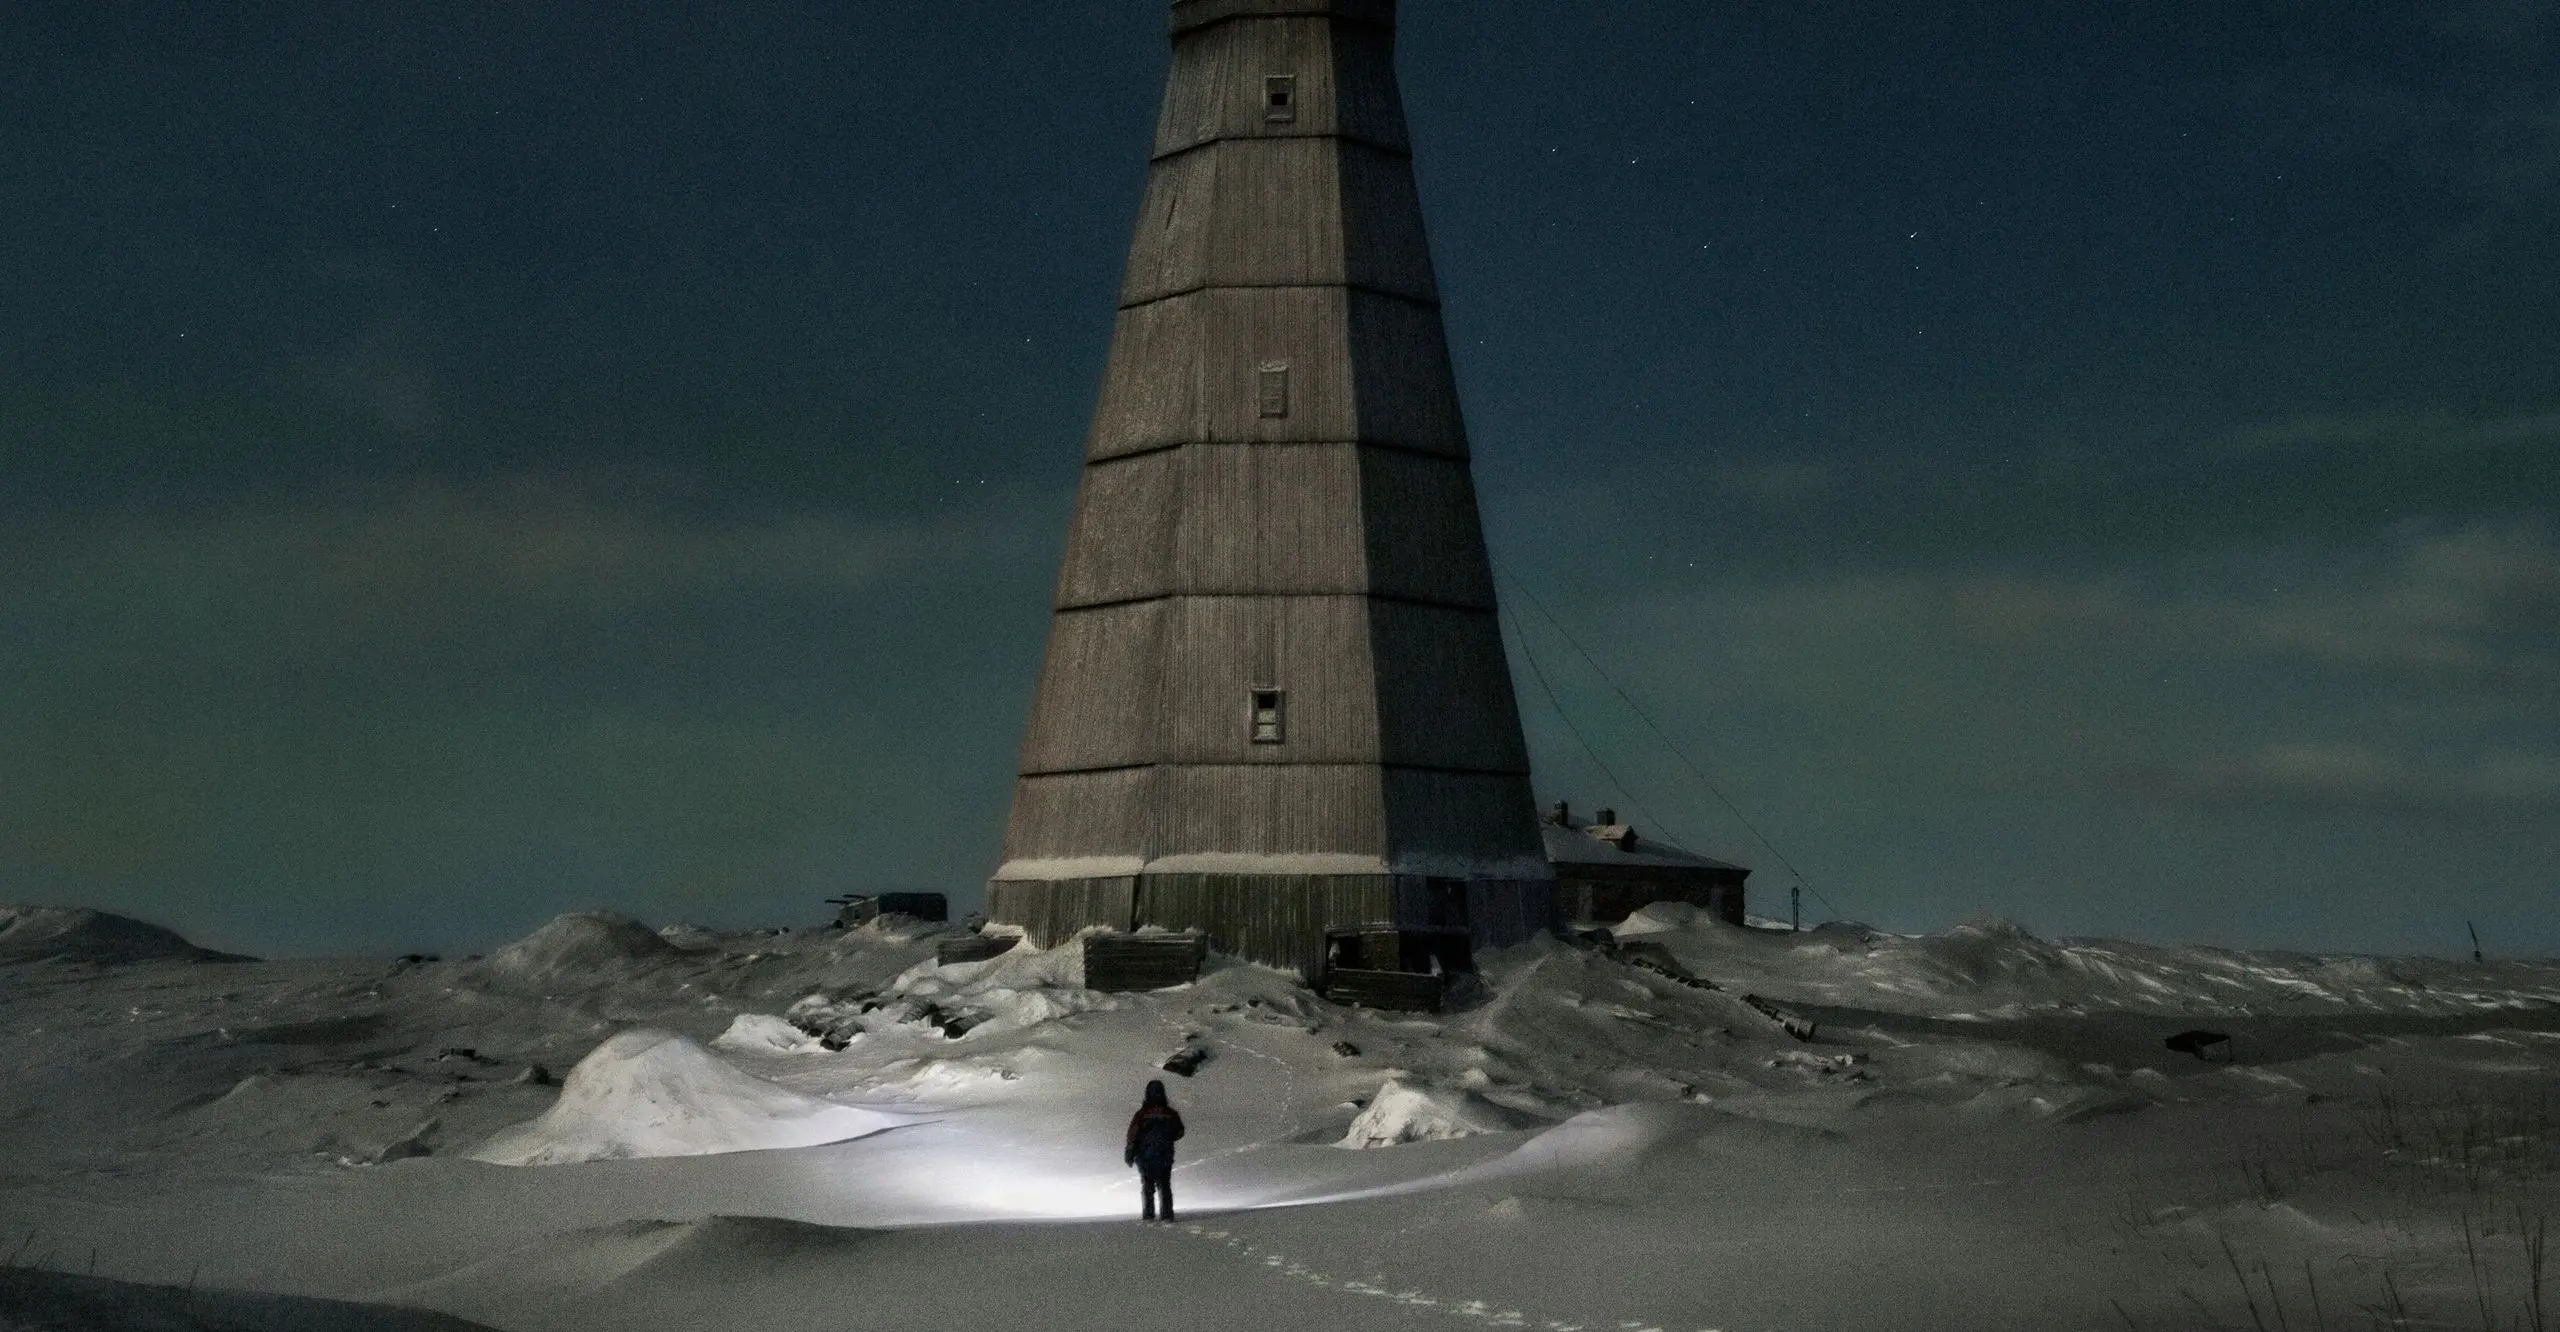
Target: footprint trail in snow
1420	1301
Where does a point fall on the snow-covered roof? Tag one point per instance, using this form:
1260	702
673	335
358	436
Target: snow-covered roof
1580	842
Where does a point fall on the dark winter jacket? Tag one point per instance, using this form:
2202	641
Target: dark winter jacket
1153	1131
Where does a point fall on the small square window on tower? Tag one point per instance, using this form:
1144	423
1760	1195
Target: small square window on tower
1274	388
1279	98
1267	720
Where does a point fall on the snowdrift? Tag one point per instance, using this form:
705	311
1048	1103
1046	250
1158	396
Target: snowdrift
42	1299
648	1093
764	1034
1997	969
1012	992
578	946
1402	1113
79	934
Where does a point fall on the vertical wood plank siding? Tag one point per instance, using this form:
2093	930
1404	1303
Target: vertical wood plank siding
1190	15
1280	212
1230	521
1237	521
1064	815
1363	367
1054	909
1099	703
1269	520
1463	818
1275	919
1219	648
1417	650
1407	393
1501	912
1273	809
1421	532
1346	85
1123	526
1383	245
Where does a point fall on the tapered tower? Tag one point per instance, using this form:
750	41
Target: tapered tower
1275	699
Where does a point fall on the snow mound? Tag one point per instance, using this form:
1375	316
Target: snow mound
579	944
79	934
1023	987
1025	966
1620	1136
709	1253
1994	951
685	935
1992	969
1656	917
764	1034
68	1299
648	1093
1402	1113
1012	1010
2058	1105
899	927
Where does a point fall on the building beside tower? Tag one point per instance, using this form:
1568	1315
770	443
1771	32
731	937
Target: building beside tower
1275	700
1606	871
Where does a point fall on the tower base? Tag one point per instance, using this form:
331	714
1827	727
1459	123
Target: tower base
1276	919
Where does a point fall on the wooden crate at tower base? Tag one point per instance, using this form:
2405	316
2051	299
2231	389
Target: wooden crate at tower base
1402	991
1386	966
1132	962
961	948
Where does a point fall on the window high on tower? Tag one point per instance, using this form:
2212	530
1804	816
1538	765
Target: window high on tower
1266	718
1272	388
1280	98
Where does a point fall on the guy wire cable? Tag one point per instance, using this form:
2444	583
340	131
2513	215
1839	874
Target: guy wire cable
1538	673
1506	576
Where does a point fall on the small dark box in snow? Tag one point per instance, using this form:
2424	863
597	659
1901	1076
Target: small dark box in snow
1388	966
1405	991
1130	962
1420	949
863	908
973	947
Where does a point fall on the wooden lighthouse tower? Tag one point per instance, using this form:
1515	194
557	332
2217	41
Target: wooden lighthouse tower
1275	700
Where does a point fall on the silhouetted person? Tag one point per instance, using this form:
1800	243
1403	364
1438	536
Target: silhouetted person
1152	1133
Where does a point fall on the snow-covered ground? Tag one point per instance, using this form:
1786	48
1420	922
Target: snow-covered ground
606	1126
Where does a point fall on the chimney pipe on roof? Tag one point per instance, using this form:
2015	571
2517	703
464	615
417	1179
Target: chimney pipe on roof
1563	815
1606	815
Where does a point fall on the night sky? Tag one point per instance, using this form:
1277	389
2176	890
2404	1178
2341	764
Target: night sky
2098	465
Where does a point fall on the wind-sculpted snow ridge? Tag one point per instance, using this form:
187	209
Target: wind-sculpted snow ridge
765	1034
1021	988
34	1301
1996	969
80	934
1400	1114
580	946
649	1093
1674	1146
